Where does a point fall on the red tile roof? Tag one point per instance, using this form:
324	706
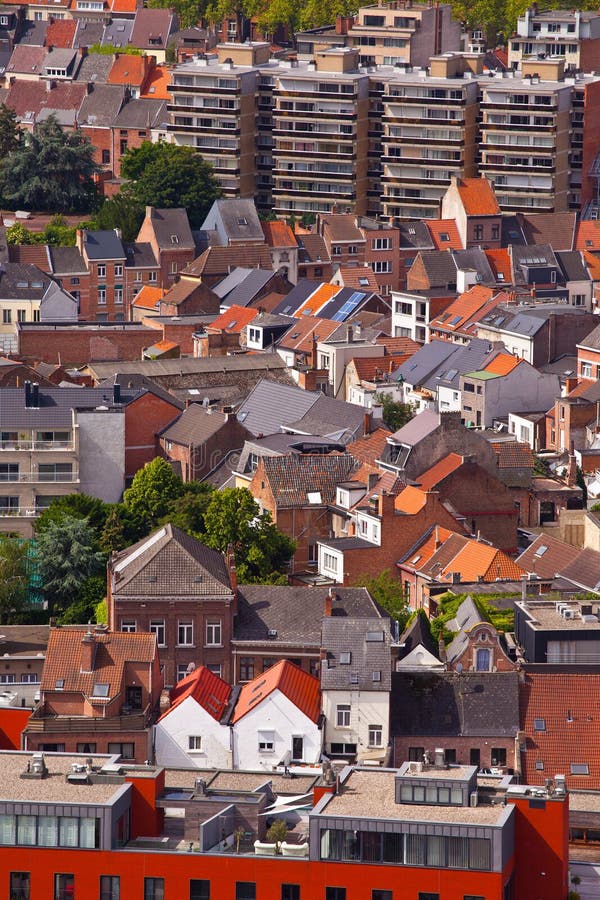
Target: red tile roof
300	336
398	346
587	235
60	33
128	69
302	689
546	556
464	307
444	234
374	368
429	479
568	706
113	650
478	197
158	84
32	96
206	688
278	234
359	277
512	454
370	447
499	261
318	299
410	501
149	297
124	6
234	319
470	558
422	553
502	364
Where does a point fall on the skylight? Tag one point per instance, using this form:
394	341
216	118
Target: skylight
100	690
345	658
541	550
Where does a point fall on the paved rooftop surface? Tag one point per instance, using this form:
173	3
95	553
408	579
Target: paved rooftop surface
54	788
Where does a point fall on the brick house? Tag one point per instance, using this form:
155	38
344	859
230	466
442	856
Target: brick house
169	234
105	256
472	204
145	416
200	438
100	693
568	419
180	590
588	356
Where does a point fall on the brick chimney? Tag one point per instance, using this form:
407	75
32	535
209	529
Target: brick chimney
328	602
88	651
386	504
368	423
230	560
442	650
438	542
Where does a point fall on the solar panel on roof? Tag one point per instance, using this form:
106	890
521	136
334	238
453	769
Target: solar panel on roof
454	320
349	306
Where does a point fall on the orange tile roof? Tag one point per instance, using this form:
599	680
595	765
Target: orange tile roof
410	501
113	650
234	319
158	84
278	234
398	346
371	368
322	295
443	468
369	447
302	689
356	276
148	298
512	454
478	197
444	234
127	69
593	264
476	559
60	33
587	235
164	346
499	261
502	364
465	306
206	688
424	551
299	337
568	704
124	6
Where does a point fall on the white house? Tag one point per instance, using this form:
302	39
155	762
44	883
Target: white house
191	731
276	720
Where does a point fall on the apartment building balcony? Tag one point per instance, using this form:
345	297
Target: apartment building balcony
526	141
39	477
205	89
209	105
42	722
515	127
15	445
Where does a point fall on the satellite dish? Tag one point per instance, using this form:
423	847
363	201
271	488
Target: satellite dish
459	667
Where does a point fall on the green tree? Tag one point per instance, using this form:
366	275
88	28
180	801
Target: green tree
79	506
136	160
14	578
91	593
50	170
101	612
262	552
68	555
152	490
189	12
315	13
108	50
219	10
113	536
395	413
19	234
10	133
387	592
174	177
121	211
187	511
58	233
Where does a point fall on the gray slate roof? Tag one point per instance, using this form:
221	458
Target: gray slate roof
445	704
232	211
368	642
417	633
170	563
270	405
465	359
55	405
467	616
140	256
195	425
418	428
425	362
172	223
94	67
331	418
221	365
592	340
100	107
22	281
66	261
572	265
103	245
415	234
142	114
117	33
295	612
247	289
88	34
439	266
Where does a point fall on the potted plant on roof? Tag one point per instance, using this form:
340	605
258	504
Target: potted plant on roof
277	833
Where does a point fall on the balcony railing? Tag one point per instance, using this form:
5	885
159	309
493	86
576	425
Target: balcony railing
45	477
135	721
36	445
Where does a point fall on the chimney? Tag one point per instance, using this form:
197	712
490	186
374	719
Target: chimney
442	649
368	423
372	480
88	651
386	504
116	393
232	576
572	467
438	542
35	395
27	394
349	334
328	602
83	52
314	352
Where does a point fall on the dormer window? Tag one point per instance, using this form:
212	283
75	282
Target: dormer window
100	689
174	239
59	684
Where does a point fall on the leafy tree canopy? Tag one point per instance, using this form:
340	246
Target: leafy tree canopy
502	619
14	579
108	50
79	506
388	593
395	413
56	232
68	555
152	490
10	133
121	211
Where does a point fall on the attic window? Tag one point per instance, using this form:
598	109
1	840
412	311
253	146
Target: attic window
580	769
242	221
374	636
354	678
415	559
59	684
541	550
377	676
539	764
444	236
174	239
345	658
411	231
197	579
539	724
100	690
152	578
314	497
364	282
589	243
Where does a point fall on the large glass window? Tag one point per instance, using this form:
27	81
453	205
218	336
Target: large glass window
48	831
26	830
290	892
154	889
199	889
432	850
245	890
110	887
64	887
19	886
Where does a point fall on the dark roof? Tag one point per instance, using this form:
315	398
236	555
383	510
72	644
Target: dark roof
468	358
141	113
312	249
67	261
22	281
100	106
103	245
170	563
271	405
140	256
450	705
194	426
415	235
439	266
572	265
592	340
475	258
556	229
331	418
511	231
239	218
94	67
55	405
88	34
116	33
426	362
368	641
296	297
172	228
244	293
298	481
295	613
418	632
34	33
152	28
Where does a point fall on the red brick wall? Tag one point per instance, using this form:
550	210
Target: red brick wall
101	139
70	739
82	344
462	745
144	418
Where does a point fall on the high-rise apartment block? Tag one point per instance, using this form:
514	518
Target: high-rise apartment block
571	34
331	135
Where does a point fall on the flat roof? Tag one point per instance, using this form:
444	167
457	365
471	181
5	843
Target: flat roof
545	616
54	788
236	780
372	795
452	773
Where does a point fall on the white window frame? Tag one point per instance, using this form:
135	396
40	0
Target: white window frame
266	741
101	270
129	626
214	630
375	735
158	628
195	743
343	713
118	270
185	633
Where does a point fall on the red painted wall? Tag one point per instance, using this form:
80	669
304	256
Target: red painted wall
12	722
542	842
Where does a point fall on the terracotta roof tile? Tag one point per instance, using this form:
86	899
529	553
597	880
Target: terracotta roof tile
128	69
568	706
342	227
358	277
546	556
512	454
148	298
422	552
429	479
311	248
499	261
300	336
222	260
206	688
32	96
592	261
370	447
278	234
113	650
374	368
124	6
464	307
37	254
233	320
163	346
444	234
502	364
410	501
478	197
293	478
322	295
398	346
587	235
556	229
302	689
158	84
470	558
61	33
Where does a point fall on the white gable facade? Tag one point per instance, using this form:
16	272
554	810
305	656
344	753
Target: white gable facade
189	736
275	732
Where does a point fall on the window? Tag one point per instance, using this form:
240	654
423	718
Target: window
19	886
185	633
29	678
586	370
101	271
381	244
133	696
105	157
7	316
8	679
118	270
345	658
128	625
290	892
335	893
498	756
330	562
173	268
576	769
449	755
124	750
381	895
213	633
182	671
157	627
375	736
86	748
152	277
266	741
343	715
154	888
428	896
381	266
195	742
9	471
539	724
415	754
118	295
297	748
245	890
110	887
482	660
137	276
101	296
64	887
246	668
199	889
478	232
21	315
376	676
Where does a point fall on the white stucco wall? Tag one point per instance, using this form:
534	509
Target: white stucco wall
102	454
171	738
366	708
278	715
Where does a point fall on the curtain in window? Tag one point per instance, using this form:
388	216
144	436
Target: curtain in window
68	831
479	854
7	829
371	846
325	843
436	851
26	830
393	848
47	831
458	853
351	845
415	849
87	832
